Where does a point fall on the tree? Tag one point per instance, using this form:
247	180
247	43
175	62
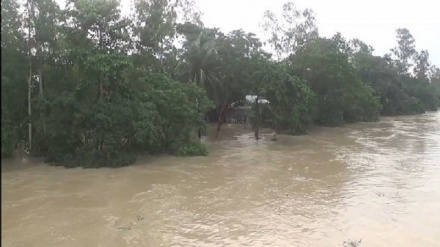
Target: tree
290	102
434	79
235	52
14	86
422	66
43	39
360	47
290	31
341	96
260	64
155	28
30	14
85	86
399	94
178	114
199	57
405	51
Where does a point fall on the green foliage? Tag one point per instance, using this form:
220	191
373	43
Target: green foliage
365	106
423	91
291	30
179	111
88	157
98	88
192	149
405	51
9	136
341	95
13	78
152	114
435	83
398	94
291	102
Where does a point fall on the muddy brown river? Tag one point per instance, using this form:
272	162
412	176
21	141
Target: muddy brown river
379	182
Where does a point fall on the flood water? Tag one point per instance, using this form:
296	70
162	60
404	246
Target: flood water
379	182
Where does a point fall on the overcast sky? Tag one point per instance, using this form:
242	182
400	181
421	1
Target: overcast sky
373	22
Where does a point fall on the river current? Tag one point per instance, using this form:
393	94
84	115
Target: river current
379	182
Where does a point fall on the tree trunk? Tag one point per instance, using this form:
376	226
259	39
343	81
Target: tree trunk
30	109
218	126
40	78
41	89
199	133
220	119
30	12
257	118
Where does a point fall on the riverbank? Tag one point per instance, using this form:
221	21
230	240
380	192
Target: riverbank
230	132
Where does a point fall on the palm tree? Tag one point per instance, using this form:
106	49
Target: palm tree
199	58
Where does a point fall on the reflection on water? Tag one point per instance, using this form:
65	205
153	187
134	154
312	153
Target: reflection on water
379	182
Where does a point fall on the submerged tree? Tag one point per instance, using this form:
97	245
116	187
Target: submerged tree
86	86
341	95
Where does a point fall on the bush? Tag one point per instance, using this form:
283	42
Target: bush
150	114
192	149
9	139
291	101
92	158
341	95
363	107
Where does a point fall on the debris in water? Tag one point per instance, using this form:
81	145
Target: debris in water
126	228
351	243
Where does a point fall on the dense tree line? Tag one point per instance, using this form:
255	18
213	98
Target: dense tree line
85	86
